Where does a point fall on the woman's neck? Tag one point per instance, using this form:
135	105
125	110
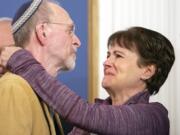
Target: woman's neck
122	96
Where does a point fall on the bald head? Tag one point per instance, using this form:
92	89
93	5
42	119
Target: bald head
59	14
6	37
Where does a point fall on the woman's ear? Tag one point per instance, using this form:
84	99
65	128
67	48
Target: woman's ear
41	33
148	72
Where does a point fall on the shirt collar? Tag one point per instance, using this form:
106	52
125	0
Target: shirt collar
141	97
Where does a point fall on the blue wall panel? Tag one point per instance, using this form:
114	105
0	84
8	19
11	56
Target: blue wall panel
77	79
9	7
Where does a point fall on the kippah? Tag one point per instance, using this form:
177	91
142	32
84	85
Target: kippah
24	13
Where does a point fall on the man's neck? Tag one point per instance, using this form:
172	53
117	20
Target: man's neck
42	58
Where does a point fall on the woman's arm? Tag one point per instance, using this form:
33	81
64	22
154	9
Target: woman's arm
97	118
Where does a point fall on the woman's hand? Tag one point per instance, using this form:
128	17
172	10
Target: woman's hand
5	54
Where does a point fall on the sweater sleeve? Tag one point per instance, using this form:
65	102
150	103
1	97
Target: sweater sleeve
96	118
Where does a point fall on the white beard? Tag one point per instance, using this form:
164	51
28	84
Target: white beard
69	63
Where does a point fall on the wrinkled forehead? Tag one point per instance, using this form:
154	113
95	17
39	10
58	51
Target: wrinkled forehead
60	14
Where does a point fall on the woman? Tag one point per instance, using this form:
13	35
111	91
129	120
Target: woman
138	62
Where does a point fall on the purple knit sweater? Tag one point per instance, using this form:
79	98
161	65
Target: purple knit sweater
136	117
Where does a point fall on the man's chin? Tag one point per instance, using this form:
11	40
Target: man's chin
69	67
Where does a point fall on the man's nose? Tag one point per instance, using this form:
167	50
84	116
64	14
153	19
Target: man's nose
76	41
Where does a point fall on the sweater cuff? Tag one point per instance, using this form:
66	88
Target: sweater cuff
20	60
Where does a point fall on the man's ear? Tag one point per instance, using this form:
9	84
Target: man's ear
148	72
41	33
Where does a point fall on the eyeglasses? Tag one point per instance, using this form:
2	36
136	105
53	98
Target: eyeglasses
70	30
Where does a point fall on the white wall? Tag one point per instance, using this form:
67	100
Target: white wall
160	15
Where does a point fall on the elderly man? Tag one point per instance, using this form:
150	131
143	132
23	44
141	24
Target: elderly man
46	30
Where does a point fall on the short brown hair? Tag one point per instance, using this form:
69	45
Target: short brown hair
152	48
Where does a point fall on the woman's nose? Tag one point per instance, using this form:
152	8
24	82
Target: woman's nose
107	62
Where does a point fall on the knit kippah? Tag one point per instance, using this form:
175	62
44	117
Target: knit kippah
24	13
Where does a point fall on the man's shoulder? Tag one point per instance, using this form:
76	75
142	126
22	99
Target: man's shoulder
14	84
10	79
8	76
